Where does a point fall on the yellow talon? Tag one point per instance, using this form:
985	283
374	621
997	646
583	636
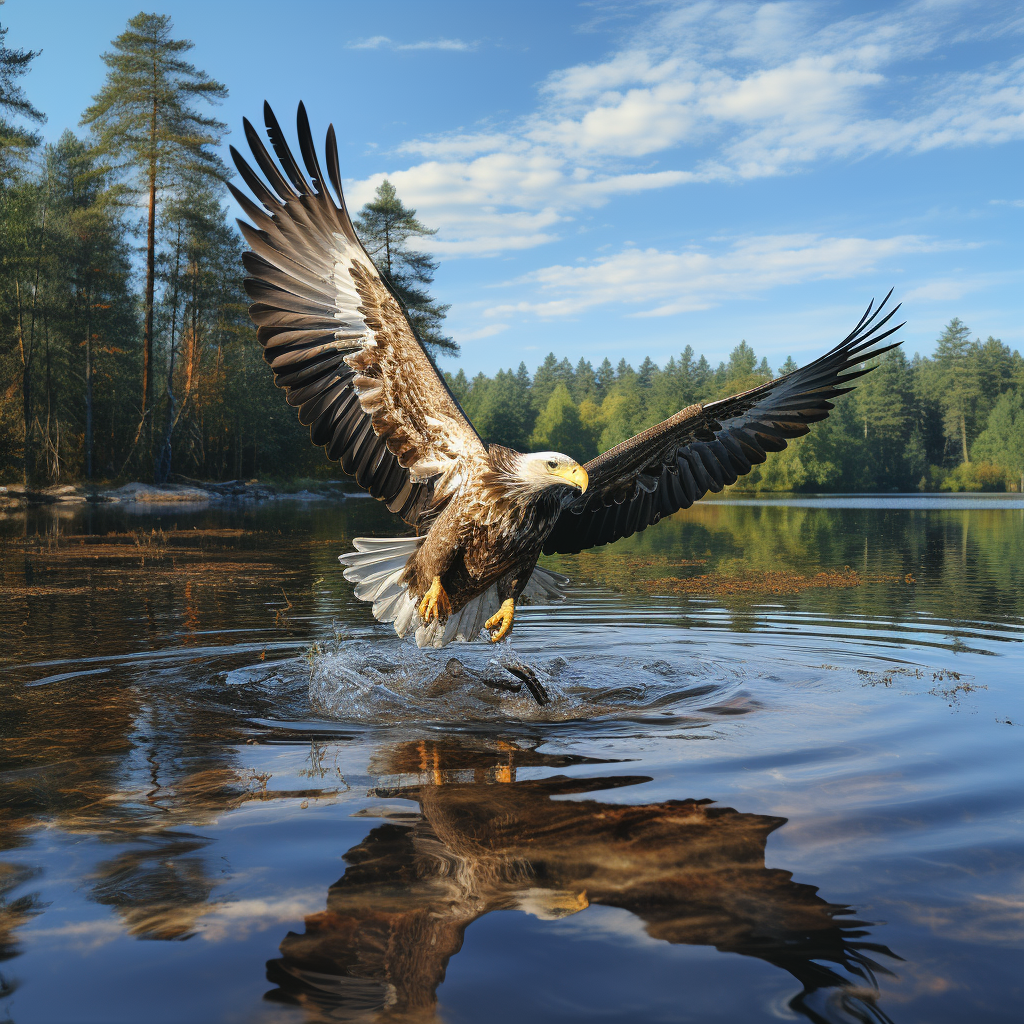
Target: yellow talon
435	603
502	618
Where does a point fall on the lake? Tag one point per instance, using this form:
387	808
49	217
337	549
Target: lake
780	775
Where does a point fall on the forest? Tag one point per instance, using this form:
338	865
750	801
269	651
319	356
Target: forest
126	352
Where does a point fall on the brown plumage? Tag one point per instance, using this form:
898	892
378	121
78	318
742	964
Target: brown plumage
342	347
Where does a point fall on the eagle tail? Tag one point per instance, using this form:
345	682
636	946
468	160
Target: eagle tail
377	566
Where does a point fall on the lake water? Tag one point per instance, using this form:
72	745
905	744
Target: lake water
780	776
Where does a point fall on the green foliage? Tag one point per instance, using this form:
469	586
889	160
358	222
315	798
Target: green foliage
78	334
145	122
560	429
504	414
144	118
974	476
385	226
15	140
1002	440
887	435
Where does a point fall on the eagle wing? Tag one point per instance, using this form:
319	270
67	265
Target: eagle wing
338	338
704	447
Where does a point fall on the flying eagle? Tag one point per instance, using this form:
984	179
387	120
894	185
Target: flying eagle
342	347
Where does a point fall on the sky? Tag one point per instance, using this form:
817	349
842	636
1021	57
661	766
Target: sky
625	179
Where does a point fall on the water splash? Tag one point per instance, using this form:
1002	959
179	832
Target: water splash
390	682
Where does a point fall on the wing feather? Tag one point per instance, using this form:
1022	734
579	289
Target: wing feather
707	447
338	338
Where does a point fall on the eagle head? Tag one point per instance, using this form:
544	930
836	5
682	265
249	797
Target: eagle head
540	470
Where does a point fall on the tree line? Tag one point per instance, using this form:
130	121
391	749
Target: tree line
954	421
126	351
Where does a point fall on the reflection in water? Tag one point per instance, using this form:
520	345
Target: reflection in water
693	874
140	658
159	886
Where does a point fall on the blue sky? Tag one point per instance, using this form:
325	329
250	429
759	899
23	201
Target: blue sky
626	179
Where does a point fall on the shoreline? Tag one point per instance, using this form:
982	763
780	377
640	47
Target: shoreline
198	493
189	492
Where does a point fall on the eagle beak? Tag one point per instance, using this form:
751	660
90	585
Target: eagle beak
575	475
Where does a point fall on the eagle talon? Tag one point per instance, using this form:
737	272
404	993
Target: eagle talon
435	603
502	619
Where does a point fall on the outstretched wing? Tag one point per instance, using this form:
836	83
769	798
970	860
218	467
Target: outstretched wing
338	337
705	447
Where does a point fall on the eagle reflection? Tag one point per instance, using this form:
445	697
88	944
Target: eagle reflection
692	872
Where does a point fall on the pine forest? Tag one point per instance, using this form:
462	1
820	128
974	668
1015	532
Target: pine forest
126	352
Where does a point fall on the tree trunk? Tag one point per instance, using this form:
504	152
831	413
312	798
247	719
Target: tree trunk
963	438
88	385
147	341
26	389
163	467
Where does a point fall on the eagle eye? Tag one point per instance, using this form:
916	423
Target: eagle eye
552	463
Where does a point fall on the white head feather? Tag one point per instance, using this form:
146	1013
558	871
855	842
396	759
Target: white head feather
537	471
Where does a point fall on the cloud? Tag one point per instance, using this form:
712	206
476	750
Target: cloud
711	92
665	283
484	332
944	290
237	919
385	43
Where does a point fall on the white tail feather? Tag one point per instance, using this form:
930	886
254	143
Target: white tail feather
376	567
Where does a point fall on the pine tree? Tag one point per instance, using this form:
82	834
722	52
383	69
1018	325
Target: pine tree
459	386
385	227
702	377
545	380
95	303
584	383
145	120
788	366
645	375
886	405
560	429
15	140
741	361
952	356
506	416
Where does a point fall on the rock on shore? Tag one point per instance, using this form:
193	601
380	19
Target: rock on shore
144	496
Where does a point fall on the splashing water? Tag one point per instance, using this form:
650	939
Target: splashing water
391	682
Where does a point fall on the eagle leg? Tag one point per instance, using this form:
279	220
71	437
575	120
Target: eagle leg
501	620
435	603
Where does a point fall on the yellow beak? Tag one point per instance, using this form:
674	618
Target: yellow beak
576	475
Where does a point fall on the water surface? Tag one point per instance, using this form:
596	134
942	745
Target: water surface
780	775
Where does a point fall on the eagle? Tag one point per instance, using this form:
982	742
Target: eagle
342	347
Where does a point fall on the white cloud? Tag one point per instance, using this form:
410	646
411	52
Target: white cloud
436	44
666	283
944	290
715	91
373	43
237	919
386	43
484	332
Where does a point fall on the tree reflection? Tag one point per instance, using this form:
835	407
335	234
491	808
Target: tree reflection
692	872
